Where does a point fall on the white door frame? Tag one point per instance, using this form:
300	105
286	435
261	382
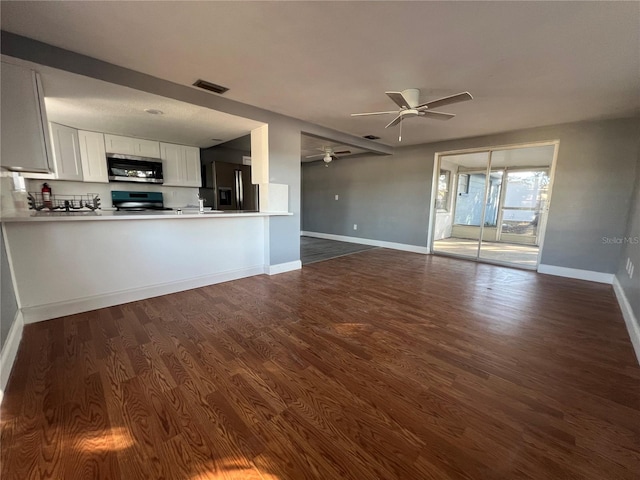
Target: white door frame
545	210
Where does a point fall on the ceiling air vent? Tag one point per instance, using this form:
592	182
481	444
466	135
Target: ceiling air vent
212	87
371	137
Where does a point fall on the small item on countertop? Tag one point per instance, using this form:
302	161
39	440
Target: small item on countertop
19	193
200	204
46	196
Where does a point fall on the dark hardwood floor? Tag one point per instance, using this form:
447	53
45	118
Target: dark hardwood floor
319	249
380	365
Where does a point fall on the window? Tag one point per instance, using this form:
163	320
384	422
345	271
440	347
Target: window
442	201
463	183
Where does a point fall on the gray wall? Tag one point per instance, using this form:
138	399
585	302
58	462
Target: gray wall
284	167
631	249
8	304
389	197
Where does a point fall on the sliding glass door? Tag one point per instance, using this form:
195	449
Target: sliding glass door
492	205
463	180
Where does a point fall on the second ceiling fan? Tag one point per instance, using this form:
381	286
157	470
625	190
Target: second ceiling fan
409	102
329	154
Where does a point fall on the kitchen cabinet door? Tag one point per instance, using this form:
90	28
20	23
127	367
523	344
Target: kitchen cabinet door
25	130
192	169
93	157
146	148
66	152
131	146
118	144
172	164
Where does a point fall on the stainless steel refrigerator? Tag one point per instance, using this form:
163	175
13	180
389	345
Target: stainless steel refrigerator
227	186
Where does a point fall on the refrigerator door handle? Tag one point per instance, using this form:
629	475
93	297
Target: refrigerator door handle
239	189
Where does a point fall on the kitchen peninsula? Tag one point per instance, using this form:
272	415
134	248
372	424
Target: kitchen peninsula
66	264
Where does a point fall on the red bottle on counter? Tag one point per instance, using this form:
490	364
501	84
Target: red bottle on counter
46	196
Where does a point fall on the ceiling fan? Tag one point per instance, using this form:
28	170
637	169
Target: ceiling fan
328	154
409	102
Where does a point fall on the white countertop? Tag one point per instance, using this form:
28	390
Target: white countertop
114	215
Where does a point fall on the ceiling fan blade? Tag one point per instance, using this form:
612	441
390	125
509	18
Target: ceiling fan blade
437	115
399	99
343	152
458	97
316	155
372	113
395	121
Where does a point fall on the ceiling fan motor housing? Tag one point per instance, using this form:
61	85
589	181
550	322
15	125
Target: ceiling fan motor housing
410	112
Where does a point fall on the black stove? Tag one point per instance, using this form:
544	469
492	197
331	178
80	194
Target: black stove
138	201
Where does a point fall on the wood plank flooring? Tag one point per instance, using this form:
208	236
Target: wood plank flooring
381	365
319	249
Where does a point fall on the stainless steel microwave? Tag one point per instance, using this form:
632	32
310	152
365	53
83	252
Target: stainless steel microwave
130	168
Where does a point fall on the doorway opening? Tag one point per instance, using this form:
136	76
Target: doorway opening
491	204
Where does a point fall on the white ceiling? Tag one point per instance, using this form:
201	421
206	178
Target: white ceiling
526	63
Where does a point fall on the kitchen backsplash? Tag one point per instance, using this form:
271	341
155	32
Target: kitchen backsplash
174	197
6	199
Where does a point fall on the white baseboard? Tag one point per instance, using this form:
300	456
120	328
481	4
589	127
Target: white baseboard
576	273
367	241
70	307
9	351
633	327
283	267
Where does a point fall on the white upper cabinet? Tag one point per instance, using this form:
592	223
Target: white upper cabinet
171	156
192	169
180	165
117	144
66	152
25	131
131	146
93	157
146	148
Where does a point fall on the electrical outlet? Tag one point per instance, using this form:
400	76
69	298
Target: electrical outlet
355	226
337	197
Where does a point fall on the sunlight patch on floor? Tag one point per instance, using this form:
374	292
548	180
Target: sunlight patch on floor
350	328
117	438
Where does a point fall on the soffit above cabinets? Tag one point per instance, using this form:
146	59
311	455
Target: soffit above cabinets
94	105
